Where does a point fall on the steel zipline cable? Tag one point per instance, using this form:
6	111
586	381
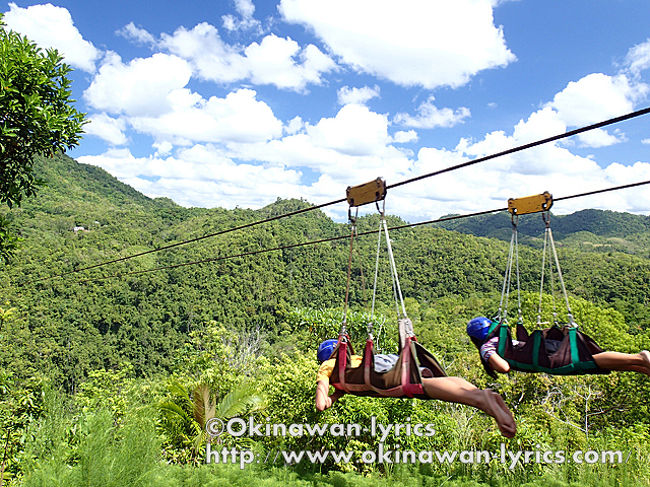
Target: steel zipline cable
346	236
471	162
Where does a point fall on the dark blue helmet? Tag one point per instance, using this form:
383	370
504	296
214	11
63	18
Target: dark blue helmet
325	349
478	328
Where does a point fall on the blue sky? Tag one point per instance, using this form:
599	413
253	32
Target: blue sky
237	102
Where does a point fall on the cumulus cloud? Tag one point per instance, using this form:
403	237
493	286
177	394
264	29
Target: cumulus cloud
210	57
239	117
402	137
294	126
412	42
136	34
355	130
200	176
107	128
232	149
361	95
549	167
151	94
430	116
245	9
141	87
638	58
354	146
600	138
275	60
52	27
597	97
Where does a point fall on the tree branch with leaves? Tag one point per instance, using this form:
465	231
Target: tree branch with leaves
37	117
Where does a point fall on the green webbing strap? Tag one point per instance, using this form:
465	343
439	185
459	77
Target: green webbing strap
503	338
574	368
536	344
574	345
588	367
492	327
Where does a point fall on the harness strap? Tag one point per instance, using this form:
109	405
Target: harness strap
393	267
353	225
342	362
573	342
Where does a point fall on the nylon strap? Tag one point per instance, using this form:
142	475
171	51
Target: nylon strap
505	291
537	341
398	289
573	341
353	224
374	286
503	338
559	273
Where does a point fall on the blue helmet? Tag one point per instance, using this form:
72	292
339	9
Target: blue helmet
325	349
478	327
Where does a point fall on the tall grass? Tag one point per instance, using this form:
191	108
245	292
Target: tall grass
75	448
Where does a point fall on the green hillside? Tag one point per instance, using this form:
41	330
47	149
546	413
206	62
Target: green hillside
585	230
117	315
96	348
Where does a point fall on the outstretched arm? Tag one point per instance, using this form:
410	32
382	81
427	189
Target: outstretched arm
498	363
323	401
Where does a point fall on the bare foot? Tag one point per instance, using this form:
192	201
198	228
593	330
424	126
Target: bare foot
497	408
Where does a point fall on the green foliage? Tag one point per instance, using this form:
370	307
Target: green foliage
37	116
204	341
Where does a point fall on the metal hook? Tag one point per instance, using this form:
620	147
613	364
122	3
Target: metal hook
513	220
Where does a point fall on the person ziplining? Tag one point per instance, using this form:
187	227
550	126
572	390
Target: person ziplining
479	327
414	372
557	350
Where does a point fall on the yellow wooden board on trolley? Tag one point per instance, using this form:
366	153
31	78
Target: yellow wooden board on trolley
365	193
530	204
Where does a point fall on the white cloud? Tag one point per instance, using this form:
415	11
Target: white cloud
275	60
136	34
108	128
211	58
597	97
200	176
239	117
141	87
353	147
51	26
246	9
272	62
402	137
151	94
638	58
546	168
163	148
429	116
294	126
412	42
361	95
600	138
354	131
645	141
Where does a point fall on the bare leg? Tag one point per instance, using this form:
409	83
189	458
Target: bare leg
456	389
637	362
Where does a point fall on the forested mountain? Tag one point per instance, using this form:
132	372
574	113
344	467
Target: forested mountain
588	230
108	340
73	325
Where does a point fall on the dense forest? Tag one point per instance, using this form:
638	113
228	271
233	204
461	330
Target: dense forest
108	376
